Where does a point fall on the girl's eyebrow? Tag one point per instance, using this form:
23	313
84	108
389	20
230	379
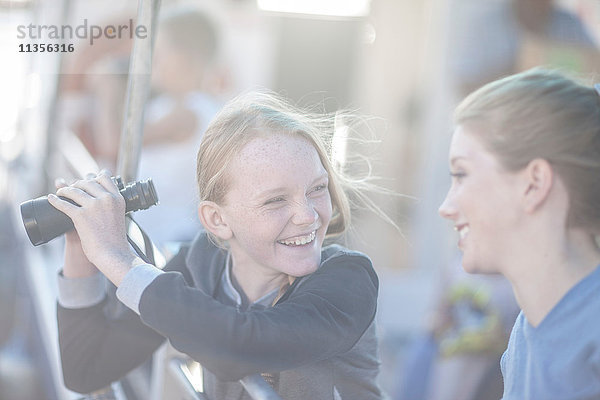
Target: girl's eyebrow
324	175
270	192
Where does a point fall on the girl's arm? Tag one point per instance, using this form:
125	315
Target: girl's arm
96	348
324	317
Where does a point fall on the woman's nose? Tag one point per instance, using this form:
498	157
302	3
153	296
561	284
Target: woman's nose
447	210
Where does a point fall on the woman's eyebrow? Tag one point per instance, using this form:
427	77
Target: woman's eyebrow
455	159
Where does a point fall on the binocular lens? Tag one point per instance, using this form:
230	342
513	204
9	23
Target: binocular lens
139	195
42	221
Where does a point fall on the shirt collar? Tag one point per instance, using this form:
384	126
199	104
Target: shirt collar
231	292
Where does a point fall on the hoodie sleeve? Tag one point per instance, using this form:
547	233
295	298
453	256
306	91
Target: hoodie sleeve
324	317
99	346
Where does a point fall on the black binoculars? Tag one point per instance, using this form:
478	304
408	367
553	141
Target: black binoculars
43	222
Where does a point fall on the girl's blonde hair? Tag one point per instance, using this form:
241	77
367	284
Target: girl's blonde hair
254	113
542	114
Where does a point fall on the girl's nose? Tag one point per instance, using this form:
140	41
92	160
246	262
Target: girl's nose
304	213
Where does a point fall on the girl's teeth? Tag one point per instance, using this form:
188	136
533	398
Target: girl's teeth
299	241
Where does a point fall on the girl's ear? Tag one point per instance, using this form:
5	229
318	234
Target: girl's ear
539	177
211	216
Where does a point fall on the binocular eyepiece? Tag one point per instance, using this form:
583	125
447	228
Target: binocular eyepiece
43	222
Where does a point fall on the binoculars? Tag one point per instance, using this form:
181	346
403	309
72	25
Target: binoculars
43	222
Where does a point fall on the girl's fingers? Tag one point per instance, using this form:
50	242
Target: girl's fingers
104	179
62	205
94	185
91	187
76	194
60	182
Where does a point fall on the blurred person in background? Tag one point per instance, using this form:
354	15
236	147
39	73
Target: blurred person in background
525	161
187	81
493	39
92	93
459	355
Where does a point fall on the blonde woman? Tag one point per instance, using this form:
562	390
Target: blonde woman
256	293
525	201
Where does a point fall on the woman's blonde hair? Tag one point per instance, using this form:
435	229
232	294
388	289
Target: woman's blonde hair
542	114
261	112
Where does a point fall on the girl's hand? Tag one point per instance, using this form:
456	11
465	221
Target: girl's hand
100	223
76	263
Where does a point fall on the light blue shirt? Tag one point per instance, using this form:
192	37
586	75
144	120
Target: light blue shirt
560	358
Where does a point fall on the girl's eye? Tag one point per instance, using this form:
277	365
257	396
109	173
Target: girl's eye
320	187
274	200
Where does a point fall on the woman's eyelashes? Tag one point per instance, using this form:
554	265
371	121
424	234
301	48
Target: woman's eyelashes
457	176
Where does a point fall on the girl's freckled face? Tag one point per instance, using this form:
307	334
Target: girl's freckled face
278	205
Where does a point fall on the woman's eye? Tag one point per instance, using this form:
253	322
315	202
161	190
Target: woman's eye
458	176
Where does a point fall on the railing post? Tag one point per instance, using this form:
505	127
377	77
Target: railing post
138	89
52	133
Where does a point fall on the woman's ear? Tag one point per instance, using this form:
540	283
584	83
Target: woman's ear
211	216
539	179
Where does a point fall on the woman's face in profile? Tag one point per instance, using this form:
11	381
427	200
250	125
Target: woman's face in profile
278	206
482	202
